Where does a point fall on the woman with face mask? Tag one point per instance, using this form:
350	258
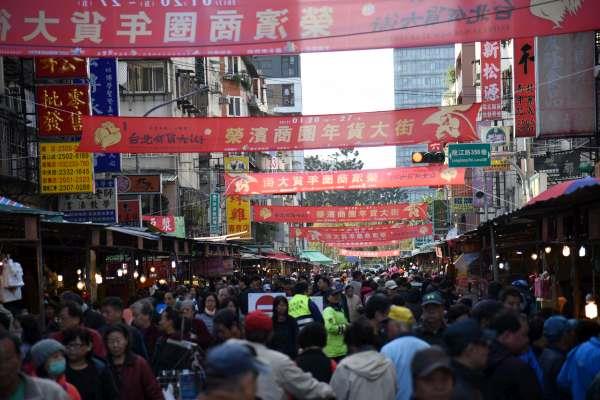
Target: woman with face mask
48	356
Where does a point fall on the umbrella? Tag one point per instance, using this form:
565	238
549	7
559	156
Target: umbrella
563	188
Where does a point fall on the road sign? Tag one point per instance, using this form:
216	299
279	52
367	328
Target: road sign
469	155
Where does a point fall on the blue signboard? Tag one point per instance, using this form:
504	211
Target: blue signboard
89	207
104	91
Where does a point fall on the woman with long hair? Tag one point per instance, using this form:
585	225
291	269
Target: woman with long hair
285	329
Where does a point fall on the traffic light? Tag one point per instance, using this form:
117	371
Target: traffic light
425	157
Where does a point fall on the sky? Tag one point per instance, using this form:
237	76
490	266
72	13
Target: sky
350	81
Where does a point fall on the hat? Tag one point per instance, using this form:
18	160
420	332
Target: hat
432	298
266	287
232	359
42	350
556	326
464	332
391	284
402	314
428	360
258	321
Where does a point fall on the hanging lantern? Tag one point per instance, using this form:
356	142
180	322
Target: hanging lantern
119	272
99	279
80	285
591	308
534	256
135	274
548	249
566	251
59	278
582	251
143	279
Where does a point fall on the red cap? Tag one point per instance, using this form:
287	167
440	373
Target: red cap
258	321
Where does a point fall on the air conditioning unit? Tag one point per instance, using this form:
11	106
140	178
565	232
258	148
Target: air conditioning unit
223	100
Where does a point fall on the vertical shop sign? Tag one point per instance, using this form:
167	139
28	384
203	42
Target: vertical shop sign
104	97
64	170
215	214
130	212
238	216
61	108
524	89
491	81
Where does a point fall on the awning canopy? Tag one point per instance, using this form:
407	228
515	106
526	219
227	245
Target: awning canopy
133	232
12	207
316	257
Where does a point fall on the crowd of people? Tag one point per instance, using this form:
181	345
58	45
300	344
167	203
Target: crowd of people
375	337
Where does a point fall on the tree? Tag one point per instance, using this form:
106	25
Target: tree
347	159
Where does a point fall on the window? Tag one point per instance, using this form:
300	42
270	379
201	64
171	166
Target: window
287	95
234	107
232	65
146	78
289	66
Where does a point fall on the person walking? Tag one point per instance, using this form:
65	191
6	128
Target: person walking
560	337
580	368
285	329
208	314
48	356
143	319
432	375
112	311
400	352
352	303
302	308
432	325
71	316
311	342
335	325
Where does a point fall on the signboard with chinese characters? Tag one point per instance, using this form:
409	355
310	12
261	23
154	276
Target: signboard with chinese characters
130	212
215	214
98	207
196	28
469	155
201	135
558	166
462	205
317	181
369	254
61	67
375	213
524	87
60	109
402	232
355	245
139	184
163	223
498	165
235	164
64	170
566	98
491	81
238	216
495	135
104	98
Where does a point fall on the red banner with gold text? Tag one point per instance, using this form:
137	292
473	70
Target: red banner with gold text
194	28
369	254
354	245
293	182
200	135
60	109
525	90
397	233
296	214
491	81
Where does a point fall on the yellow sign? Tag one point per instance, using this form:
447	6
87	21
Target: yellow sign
498	165
64	170
238	216
406	245
235	164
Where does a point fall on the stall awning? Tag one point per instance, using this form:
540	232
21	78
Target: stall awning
316	257
280	256
465	260
133	232
12	207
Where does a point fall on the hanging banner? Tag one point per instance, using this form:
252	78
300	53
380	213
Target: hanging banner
60	109
238	216
293	182
354	245
60	67
491	81
524	86
201	135
63	170
99	207
163	223
304	232
403	232
215	213
104	98
369	254
383	213
567	98
195	28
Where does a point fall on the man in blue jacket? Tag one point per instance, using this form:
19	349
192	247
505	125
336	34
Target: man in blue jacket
580	368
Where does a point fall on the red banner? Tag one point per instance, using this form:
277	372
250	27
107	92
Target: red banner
303	232
194	28
201	135
295	214
491	81
355	245
369	254
60	109
61	67
397	233
293	182
164	223
524	87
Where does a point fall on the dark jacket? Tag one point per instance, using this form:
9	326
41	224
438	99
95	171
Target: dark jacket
433	338
316	362
551	361
469	384
103	387
93	319
284	337
171	353
150	335
508	377
135	380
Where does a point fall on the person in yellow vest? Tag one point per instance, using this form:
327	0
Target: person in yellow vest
335	325
302	308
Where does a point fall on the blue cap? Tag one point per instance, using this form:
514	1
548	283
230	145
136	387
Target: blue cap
556	326
232	359
432	298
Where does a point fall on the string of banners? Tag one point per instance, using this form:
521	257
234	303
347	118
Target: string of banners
315	214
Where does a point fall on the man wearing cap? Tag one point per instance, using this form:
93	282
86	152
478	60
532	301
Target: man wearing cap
432	375
559	332
231	373
302	307
285	377
391	288
468	345
432	326
335	325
